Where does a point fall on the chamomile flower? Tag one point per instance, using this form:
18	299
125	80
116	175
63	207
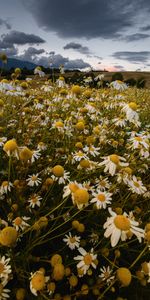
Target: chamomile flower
42	146
136	186
130	110
120	122
72	241
37	282
118	85
5	187
112	162
102	183
106	274
138	141
86	260
33	180
101	199
80	198
71	188
78	156
92	150
20	223
11	148
34	200
121	226
4	292
5	269
35	155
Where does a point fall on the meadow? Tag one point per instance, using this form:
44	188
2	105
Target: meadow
74	190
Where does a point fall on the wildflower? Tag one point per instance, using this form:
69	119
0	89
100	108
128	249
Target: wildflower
34	200
92	150
35	155
112	162
5	187
33	180
5	269
76	90
2	141
101	199
120	122
4	292
106	274
58	271
86	259
11	148
77	156
130	110
80	198
124	276
120	226
138	141
60	174
20	222
25	154
8	236
118	85
102	183
42	146
136	186
37	282
72	241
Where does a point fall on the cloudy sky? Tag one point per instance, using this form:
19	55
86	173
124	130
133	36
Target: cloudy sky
103	34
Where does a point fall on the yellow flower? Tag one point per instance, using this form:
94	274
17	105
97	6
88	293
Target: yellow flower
8	236
58	171
124	276
58	272
56	259
76	90
11	147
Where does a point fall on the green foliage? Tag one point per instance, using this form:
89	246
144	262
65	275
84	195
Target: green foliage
117	76
140	84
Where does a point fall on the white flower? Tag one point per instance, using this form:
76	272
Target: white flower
136	186
71	188
34	200
102	183
62	179
118	85
4	292
77	156
130	110
92	150
99	77
106	274
119	122
121	226
86	260
35	155
72	241
138	141
5	270
20	222
33	180
111	163
38	282
101	199
5	187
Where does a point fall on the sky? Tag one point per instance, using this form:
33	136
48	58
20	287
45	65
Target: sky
98	34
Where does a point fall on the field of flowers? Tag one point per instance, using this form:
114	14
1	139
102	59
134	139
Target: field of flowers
74	191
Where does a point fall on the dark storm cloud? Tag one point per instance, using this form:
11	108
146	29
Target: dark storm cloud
21	38
55	60
136	37
5	23
119	67
77	47
135	57
145	28
31	53
86	18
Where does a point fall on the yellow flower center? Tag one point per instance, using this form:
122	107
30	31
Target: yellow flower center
5	183
136	184
84	163
73	187
80	154
101	197
81	196
103	183
58	171
72	239
34	199
80	125
34	178
8	236
25	154
115	159
10	145
138	138
87	259
1	268
133	105
18	221
38	281
122	223
59	124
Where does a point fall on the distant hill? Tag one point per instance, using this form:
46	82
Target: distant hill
16	63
